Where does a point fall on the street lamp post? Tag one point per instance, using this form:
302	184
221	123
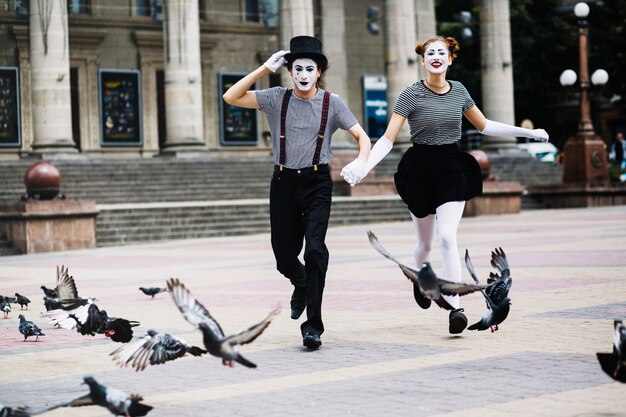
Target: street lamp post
585	161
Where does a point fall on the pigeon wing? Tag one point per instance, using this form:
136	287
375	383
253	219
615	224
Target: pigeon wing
410	273
66	287
500	262
248	335
194	312
458	288
470	267
379	248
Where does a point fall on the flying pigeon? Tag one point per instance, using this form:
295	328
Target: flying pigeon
49	292
5	306
116	401
22	301
614	364
153	349
28	328
13	412
67	293
89	320
215	341
497	294
152	290
431	286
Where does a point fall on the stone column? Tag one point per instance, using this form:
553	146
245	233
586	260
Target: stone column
334	45
50	78
401	59
497	70
296	19
150	55
426	26
183	78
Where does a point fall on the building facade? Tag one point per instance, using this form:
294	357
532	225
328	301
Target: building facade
142	78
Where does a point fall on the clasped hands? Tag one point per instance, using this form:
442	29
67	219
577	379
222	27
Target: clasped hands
354	172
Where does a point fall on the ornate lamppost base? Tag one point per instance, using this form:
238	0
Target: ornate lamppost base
585	161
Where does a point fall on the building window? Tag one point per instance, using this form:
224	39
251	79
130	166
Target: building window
143	8
78	6
262	11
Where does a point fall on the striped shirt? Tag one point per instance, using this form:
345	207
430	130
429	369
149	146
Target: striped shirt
434	119
303	124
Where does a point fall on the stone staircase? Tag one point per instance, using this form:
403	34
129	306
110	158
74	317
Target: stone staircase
144	200
135	223
121	181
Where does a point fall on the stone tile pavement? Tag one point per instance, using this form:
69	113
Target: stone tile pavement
381	354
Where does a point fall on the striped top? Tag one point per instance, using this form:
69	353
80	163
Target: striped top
303	124
434	119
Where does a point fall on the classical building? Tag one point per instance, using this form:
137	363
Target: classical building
137	78
142	78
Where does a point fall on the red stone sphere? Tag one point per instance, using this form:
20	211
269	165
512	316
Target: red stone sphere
483	161
42	180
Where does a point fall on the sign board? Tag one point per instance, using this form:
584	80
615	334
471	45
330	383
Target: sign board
238	126
120	107
10	136
375	105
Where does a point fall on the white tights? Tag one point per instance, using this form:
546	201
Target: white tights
446	221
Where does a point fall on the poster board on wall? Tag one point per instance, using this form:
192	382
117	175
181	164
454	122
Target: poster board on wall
238	126
120	107
10	132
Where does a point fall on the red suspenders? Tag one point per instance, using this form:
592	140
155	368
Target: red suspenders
320	134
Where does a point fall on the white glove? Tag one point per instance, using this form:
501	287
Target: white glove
500	129
380	149
353	172
276	61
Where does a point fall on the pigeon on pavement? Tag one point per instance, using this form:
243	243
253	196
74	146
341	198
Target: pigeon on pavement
497	294
215	341
117	402
22	301
5	306
431	286
89	320
28	328
49	292
153	349
152	290
614	364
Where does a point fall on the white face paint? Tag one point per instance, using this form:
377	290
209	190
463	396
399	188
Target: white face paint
437	58
304	73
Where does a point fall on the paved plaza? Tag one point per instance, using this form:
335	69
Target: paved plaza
381	354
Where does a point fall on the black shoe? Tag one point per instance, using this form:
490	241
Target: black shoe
458	321
298	302
312	341
419	298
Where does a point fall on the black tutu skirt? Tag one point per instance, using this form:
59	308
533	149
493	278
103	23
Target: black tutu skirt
431	175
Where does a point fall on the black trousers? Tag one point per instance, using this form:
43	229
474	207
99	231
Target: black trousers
299	212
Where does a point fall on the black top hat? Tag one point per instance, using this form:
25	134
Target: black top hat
306	47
